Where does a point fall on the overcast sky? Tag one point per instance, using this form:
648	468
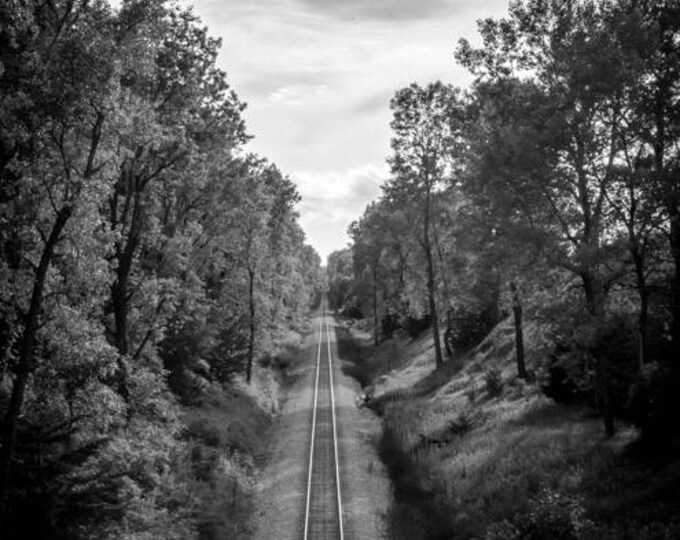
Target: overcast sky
318	76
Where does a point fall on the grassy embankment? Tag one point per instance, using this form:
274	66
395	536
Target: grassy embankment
228	429
476	453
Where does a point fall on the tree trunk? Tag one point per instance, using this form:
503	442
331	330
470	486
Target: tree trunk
431	293
376	331
663	104
120	312
675	250
119	302
126	248
448	333
251	337
595	302
603	376
519	331
643	315
25	360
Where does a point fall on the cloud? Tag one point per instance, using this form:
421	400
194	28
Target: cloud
318	76
376	102
261	84
383	10
331	200
297	95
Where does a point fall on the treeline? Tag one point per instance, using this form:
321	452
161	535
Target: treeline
144	258
549	192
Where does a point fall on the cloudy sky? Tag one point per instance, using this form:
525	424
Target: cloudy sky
318	76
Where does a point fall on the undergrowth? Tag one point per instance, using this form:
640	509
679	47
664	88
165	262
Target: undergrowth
227	430
475	452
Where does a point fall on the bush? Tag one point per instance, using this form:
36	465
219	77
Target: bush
467	327
504	530
390	323
653	406
493	380
552	515
352	311
282	352
633	530
414	326
557	516
579	347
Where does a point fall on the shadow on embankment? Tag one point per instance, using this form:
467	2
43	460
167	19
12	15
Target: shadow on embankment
416	513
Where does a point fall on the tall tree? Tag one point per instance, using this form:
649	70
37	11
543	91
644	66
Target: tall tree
655	51
424	132
121	252
574	63
186	107
369	245
57	150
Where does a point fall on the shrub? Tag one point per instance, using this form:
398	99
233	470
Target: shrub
493	380
557	516
504	530
414	326
352	311
633	530
389	323
467	327
654	403
579	346
552	515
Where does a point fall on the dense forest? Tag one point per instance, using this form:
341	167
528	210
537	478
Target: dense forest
548	192
147	263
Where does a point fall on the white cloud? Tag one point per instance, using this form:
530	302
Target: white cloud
318	76
298	95
331	200
390	11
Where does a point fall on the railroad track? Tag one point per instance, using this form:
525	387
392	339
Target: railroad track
323	506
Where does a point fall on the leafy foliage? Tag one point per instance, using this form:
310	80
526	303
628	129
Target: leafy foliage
547	192
140	253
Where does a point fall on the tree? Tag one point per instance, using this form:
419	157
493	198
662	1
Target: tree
189	115
124	250
53	159
562	64
369	245
655	57
425	131
340	277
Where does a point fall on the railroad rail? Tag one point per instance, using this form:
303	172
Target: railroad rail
323	506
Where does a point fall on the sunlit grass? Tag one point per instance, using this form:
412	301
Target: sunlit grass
481	457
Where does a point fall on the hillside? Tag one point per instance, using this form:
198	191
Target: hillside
475	452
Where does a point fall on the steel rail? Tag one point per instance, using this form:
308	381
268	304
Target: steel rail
320	520
312	438
335	431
